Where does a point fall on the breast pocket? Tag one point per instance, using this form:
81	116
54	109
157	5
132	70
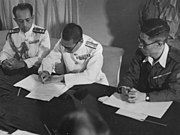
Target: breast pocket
33	48
160	80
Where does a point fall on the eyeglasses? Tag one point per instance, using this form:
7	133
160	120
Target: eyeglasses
143	44
22	20
69	47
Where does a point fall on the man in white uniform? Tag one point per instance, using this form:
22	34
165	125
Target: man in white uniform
27	44
81	55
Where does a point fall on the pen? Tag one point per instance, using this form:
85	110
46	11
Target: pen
157	123
42	78
155	77
47	129
19	91
42	67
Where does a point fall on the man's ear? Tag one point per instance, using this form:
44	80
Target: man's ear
15	19
161	43
81	40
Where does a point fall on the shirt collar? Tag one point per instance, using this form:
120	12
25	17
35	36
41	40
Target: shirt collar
162	60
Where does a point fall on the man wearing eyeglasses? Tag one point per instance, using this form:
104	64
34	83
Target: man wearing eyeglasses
27	44
81	55
154	73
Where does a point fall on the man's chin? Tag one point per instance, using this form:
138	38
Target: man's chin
145	53
25	30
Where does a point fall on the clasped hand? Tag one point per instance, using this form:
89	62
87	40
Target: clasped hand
13	63
46	77
132	95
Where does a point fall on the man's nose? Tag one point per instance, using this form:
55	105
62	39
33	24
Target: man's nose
24	23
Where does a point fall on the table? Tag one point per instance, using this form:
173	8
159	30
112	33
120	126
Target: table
18	112
121	125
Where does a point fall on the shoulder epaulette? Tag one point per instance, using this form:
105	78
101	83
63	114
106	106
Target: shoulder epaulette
39	30
91	44
15	30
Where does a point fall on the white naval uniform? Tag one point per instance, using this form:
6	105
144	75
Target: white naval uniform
37	43
83	66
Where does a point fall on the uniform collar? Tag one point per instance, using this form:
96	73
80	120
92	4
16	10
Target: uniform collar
162	60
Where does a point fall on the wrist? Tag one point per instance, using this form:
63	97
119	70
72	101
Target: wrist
63	80
25	65
147	98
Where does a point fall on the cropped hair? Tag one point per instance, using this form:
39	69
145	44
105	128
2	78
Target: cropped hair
155	27
72	31
83	119
23	6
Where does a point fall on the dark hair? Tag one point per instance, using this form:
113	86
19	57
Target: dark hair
72	31
22	6
83	119
154	27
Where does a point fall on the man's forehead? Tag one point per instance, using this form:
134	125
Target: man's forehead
23	13
146	37
143	36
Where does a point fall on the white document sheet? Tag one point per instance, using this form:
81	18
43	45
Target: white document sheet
102	99
155	109
21	132
41	91
137	116
3	132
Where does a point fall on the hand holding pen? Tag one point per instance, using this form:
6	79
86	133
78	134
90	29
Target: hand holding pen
124	90
135	96
132	95
44	76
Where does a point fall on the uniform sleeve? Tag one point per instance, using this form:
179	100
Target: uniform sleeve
172	91
131	77
7	51
44	48
48	63
90	74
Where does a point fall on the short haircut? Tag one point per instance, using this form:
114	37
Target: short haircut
23	6
72	31
155	27
83	119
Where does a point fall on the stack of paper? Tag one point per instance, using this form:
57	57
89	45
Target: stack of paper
21	132
41	91
139	110
3	132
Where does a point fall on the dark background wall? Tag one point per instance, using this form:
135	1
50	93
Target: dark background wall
113	23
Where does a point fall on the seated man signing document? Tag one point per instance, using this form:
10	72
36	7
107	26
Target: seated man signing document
154	73
81	55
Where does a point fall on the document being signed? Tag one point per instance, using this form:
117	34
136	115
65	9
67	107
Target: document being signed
41	91
155	109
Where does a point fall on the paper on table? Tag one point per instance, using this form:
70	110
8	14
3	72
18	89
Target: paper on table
47	91
102	99
137	116
41	91
155	109
29	83
21	132
3	132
